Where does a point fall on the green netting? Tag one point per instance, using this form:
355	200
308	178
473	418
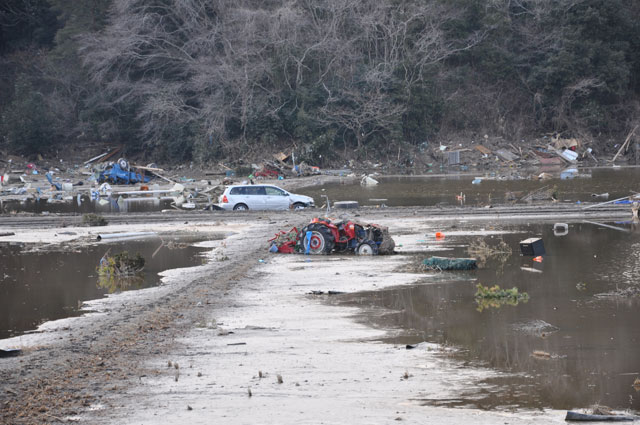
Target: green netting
443	263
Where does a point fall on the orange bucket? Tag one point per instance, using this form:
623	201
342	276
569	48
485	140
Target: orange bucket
439	235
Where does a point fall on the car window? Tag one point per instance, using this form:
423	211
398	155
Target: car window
254	190
236	191
274	191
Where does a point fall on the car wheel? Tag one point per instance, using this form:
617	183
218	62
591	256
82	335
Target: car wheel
367	248
240	207
320	242
299	206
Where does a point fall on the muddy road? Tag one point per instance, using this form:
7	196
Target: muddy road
240	340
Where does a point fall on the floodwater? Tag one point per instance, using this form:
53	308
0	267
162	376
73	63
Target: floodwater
84	205
567	346
39	286
429	191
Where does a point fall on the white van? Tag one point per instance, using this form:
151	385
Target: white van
261	197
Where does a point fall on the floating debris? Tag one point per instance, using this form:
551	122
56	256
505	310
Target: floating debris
444	263
496	297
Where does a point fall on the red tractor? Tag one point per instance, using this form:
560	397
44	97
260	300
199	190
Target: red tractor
322	236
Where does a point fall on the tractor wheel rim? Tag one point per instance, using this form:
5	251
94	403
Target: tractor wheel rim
365	250
316	243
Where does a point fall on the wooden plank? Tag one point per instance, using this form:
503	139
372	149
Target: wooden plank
506	155
626	142
483	149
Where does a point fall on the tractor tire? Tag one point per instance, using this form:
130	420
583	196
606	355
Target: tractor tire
367	248
321	242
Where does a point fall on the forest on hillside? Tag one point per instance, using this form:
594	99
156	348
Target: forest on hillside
206	79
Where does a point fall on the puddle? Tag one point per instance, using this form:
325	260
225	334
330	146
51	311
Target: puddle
37	287
429	191
566	347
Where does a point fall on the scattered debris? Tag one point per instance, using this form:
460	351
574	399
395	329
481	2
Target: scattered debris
127	235
535	327
560	229
444	263
12	352
92	219
505	155
631	291
541	354
368	181
530	269
569	173
625	145
575	416
569	155
120	172
482	251
284	241
483	150
532	246
543	194
325	293
347	205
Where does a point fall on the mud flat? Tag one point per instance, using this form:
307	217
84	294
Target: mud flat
239	340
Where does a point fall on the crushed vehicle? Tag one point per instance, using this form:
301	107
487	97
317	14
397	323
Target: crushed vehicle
120	172
324	236
261	197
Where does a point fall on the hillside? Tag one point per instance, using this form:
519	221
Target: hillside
205	81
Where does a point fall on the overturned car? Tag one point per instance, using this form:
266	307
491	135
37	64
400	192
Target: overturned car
323	236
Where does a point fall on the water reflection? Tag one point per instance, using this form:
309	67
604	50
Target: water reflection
36	287
456	190
591	347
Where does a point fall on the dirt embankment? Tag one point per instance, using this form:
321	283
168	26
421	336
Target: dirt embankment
71	364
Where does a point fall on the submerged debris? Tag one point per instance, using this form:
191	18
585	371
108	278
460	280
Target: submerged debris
482	251
120	271
444	263
631	291
535	327
495	297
